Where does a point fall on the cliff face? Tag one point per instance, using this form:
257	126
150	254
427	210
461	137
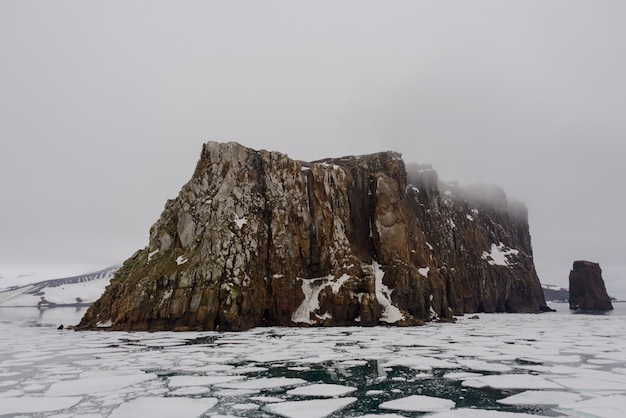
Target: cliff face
586	288
255	238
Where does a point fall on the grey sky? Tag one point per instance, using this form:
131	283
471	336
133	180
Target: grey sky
104	107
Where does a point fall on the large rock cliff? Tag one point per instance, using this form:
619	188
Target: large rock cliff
256	238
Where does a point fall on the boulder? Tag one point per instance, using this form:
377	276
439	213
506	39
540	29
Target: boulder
586	288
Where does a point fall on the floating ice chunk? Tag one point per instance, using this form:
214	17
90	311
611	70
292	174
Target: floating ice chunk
511	381
603	407
483	366
461	375
263	383
324	390
422	363
267	399
96	384
419	403
11	393
190	390
317	408
541	397
591	384
178	381
353	363
479	413
155	407
374	392
30	405
245	406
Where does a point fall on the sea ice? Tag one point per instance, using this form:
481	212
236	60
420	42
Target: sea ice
418	403
602	407
422	363
178	381
541	397
164	407
263	383
96	384
479	413
511	381
30	405
323	390
317	408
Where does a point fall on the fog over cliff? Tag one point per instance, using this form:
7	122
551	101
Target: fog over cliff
105	107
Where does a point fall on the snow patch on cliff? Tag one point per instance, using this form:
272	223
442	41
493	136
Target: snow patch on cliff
499	255
311	303
391	313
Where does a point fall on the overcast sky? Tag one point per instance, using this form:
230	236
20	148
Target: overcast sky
104	107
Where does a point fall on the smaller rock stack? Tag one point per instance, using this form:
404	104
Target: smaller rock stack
586	288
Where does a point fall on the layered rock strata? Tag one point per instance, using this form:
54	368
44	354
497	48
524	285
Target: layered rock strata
586	288
256	238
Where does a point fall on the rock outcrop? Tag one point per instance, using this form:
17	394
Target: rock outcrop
256	238
587	291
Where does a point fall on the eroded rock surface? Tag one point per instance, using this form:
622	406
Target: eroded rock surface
586	288
256	238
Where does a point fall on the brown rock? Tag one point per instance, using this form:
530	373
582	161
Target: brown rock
586	288
256	239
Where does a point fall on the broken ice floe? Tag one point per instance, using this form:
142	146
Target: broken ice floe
317	408
554	364
419	403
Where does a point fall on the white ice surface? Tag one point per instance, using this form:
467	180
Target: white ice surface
541	397
263	383
582	355
480	413
96	384
602	407
156	407
419	403
322	390
511	381
179	381
29	405
317	408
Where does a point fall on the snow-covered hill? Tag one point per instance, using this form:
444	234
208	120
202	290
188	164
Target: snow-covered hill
76	290
554	293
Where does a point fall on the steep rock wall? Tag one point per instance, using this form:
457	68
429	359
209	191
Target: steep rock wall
256	238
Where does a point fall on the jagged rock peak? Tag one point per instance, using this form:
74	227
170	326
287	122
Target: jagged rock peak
256	238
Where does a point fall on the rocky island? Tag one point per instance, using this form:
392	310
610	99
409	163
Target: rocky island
258	239
587	291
